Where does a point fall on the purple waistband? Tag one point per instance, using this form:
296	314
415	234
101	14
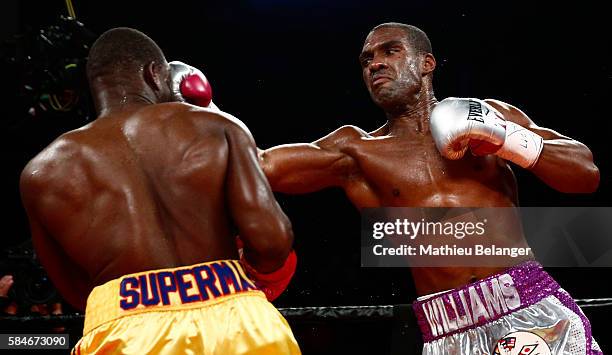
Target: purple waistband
484	301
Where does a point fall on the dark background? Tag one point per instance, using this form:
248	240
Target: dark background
289	70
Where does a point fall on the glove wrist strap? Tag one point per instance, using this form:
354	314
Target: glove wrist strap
522	146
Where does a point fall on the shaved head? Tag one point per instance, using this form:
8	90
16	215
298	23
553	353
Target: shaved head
415	36
122	51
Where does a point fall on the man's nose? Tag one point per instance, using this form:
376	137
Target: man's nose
377	65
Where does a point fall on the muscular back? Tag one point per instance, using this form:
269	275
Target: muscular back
140	190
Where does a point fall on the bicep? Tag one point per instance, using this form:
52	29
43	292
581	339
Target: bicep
298	168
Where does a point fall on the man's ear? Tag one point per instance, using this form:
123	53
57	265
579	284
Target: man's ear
429	63
152	75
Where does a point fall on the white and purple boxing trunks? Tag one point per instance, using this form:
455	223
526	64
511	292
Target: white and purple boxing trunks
519	311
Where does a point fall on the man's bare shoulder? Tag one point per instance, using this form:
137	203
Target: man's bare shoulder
204	120
349	131
61	151
342	135
510	112
58	167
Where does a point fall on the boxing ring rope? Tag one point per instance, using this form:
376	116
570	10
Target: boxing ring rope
594	302
381	329
306	313
379	312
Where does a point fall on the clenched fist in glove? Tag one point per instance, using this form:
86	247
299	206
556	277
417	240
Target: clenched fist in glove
461	123
190	85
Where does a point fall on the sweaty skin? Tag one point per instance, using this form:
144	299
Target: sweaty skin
148	186
398	165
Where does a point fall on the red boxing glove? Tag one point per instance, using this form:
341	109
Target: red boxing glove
274	283
189	84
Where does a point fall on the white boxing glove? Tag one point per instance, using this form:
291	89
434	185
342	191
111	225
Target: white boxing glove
459	123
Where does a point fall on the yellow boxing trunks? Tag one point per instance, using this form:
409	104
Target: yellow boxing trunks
209	308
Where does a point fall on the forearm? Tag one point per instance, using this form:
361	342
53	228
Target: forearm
567	166
267	241
564	164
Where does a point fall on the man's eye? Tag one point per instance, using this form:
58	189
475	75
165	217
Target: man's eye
392	51
366	61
